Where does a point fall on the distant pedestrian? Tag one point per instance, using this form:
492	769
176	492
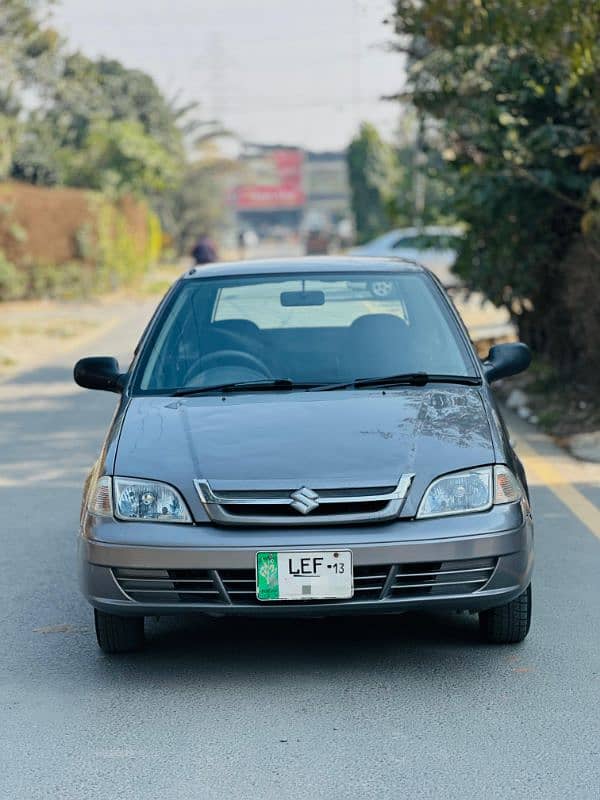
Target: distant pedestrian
204	251
242	244
247	239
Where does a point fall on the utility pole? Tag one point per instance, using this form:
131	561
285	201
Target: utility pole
420	179
356	45
217	72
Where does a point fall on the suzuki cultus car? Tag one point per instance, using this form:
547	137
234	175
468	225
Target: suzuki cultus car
286	444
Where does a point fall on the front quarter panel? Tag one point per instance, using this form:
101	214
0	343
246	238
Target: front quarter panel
505	452
104	464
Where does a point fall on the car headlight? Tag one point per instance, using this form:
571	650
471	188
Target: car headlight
148	500
138	499
470	491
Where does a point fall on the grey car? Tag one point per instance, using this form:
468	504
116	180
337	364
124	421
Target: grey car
287	445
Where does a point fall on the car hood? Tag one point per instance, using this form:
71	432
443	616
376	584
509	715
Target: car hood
361	438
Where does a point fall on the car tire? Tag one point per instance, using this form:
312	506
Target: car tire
507	624
118	634
381	289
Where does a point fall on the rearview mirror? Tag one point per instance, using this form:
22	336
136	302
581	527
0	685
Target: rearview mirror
315	298
99	372
506	359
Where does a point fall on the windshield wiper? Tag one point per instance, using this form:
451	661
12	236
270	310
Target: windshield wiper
404	379
285	384
417	379
277	384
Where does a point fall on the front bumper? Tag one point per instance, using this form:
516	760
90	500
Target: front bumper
389	550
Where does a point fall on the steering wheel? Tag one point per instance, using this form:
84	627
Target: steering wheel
222	358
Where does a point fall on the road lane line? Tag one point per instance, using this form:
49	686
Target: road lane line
577	503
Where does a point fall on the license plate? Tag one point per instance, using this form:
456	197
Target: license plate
304	575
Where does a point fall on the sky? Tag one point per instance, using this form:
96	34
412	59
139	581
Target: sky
297	72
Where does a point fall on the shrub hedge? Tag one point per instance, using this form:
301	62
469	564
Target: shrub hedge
64	242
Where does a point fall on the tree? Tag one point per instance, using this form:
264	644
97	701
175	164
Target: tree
372	169
119	156
87	91
509	92
27	48
102	126
93	123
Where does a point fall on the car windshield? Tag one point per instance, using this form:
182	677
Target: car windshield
304	328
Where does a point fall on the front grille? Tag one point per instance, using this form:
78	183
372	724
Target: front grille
369	582
302	505
168	585
442	577
266	512
238	586
279	494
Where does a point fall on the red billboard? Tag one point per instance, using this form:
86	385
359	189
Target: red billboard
276	182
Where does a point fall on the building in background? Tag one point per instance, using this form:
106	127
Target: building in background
286	191
327	191
270	198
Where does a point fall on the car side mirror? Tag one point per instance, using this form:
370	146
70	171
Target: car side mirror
506	359
99	372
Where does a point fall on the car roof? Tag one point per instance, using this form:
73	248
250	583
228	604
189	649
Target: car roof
425	230
278	266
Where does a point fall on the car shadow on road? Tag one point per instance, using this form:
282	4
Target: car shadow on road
248	633
213	648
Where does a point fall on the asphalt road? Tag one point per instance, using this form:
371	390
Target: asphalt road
412	706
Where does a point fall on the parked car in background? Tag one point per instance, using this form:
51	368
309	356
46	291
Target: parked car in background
432	246
285	447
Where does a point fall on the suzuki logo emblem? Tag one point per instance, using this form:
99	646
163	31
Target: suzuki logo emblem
304	500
